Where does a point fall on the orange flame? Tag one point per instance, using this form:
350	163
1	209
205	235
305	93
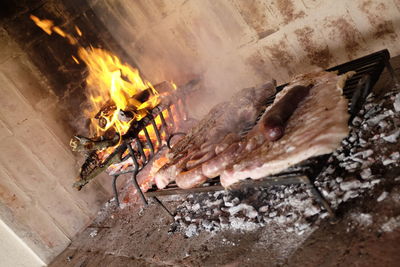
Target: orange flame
110	79
110	82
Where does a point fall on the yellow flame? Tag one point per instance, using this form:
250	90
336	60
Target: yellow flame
110	82
46	25
75	59
110	79
173	85
78	31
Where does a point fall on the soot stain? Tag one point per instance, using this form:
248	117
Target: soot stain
259	65
347	32
257	17
287	10
280	55
382	27
385	28
318	54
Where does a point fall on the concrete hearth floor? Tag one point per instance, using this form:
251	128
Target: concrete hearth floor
366	234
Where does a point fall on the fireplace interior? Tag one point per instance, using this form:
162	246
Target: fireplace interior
188	56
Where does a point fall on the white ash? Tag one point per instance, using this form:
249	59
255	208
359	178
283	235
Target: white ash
365	154
396	103
191	230
93	233
359	220
366	173
248	210
382	196
291	207
349	185
392	136
391	224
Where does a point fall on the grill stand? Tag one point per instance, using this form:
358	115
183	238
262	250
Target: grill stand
357	88
136	168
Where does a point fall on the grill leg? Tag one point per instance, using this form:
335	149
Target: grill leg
138	189
134	181
318	196
163	206
114	186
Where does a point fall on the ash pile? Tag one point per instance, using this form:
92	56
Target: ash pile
370	150
353	170
247	210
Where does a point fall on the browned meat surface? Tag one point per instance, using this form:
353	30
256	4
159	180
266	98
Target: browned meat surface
226	119
316	127
275	121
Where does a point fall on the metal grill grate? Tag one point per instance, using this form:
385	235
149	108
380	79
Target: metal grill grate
368	70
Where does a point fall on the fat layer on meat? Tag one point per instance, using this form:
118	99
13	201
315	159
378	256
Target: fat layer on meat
316	127
233	116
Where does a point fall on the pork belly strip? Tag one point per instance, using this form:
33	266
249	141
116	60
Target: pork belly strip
233	116
316	127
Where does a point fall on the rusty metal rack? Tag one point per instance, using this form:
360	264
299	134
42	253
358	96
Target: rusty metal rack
368	70
136	152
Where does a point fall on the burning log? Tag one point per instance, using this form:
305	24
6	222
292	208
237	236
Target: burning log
93	164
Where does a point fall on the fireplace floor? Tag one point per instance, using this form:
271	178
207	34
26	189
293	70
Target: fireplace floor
367	233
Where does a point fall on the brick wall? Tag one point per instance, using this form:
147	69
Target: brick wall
41	92
37	168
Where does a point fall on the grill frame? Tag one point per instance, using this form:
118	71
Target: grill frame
368	70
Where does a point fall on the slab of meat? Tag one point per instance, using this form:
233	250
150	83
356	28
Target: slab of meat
316	127
224	122
275	122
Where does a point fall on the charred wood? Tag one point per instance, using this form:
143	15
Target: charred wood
93	166
83	144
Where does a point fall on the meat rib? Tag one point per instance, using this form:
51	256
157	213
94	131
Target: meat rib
227	118
316	127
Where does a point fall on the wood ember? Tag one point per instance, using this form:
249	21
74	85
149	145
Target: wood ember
248	210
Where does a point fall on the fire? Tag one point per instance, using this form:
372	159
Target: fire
111	80
112	85
173	85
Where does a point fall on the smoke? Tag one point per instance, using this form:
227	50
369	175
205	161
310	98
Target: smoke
217	62
192	41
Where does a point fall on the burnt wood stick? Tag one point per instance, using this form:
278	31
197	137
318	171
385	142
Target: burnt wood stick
161	88
93	167
275	119
83	144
